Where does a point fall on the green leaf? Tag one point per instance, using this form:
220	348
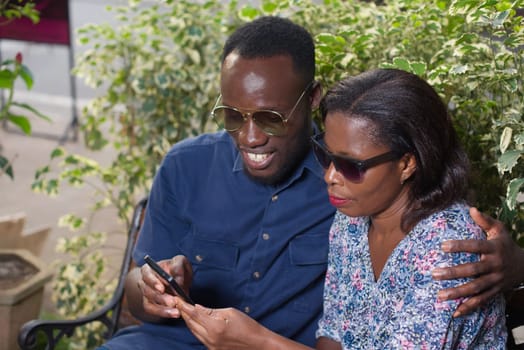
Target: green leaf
6	168
269	7
505	139
401	63
418	68
7	79
57	152
459	69
513	191
22	122
500	18
326	38
32	109
26	76
249	13
508	160
519	139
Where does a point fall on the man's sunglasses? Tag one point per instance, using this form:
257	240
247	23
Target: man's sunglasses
352	169
271	122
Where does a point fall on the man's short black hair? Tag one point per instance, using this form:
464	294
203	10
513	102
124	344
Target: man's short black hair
271	36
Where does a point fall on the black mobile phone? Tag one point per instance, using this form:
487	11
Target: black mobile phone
168	278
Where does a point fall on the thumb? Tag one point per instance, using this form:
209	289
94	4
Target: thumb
486	223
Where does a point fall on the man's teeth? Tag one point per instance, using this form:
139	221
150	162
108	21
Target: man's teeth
256	157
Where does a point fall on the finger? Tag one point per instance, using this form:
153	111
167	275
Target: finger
475	302
189	315
462	271
159	310
477	246
151	279
484	221
473	288
493	228
153	296
180	268
183	306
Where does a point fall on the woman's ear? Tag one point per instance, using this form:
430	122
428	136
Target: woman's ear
315	95
409	166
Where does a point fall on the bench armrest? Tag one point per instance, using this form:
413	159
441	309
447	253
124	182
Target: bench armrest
109	314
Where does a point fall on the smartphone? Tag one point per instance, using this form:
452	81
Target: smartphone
169	279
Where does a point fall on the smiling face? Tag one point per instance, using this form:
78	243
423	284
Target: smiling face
268	83
381	191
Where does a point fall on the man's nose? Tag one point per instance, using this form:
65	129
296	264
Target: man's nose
250	134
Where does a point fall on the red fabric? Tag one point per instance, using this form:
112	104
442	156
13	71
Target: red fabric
53	27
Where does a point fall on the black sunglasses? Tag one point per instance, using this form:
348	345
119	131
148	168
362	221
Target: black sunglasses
351	169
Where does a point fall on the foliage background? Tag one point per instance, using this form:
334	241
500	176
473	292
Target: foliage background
11	70
160	68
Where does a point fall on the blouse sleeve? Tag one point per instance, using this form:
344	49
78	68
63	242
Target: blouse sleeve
329	324
422	321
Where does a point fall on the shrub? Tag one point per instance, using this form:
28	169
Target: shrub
160	71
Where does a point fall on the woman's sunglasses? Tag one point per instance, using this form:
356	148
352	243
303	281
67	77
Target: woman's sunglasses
352	169
271	122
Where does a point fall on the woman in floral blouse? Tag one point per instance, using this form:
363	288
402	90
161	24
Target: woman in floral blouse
398	177
396	205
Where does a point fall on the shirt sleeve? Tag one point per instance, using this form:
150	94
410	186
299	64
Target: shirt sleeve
163	225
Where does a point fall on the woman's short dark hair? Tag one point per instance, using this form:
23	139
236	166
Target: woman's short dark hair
271	36
408	116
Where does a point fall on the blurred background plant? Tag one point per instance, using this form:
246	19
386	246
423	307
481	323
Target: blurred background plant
11	70
159	70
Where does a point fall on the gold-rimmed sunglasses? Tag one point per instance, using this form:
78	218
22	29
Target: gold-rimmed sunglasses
271	122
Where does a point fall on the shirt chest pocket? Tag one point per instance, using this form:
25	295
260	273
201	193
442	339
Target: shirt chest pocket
209	253
309	250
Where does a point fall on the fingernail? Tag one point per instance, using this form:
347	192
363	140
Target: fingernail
441	296
457	314
174	312
446	246
437	273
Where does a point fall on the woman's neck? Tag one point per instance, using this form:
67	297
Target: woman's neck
385	233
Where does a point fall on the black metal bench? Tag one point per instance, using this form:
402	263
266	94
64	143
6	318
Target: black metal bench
109	314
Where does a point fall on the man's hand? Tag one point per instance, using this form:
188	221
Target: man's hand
150	298
500	266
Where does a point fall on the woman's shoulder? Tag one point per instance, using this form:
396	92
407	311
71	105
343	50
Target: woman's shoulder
453	222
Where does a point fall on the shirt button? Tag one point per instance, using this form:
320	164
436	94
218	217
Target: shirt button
247	309
274	198
265	236
199	258
256	274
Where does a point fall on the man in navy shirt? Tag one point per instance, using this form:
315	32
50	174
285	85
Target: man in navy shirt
241	217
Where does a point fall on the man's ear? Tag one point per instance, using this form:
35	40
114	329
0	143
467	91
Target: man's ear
409	164
315	95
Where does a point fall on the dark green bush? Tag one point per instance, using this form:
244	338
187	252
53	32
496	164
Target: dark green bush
160	71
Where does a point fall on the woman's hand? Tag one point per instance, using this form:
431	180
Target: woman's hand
230	329
222	329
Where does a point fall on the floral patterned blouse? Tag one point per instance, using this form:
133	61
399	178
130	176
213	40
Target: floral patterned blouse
401	310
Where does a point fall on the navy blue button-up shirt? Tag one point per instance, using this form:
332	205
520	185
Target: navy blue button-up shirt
261	249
